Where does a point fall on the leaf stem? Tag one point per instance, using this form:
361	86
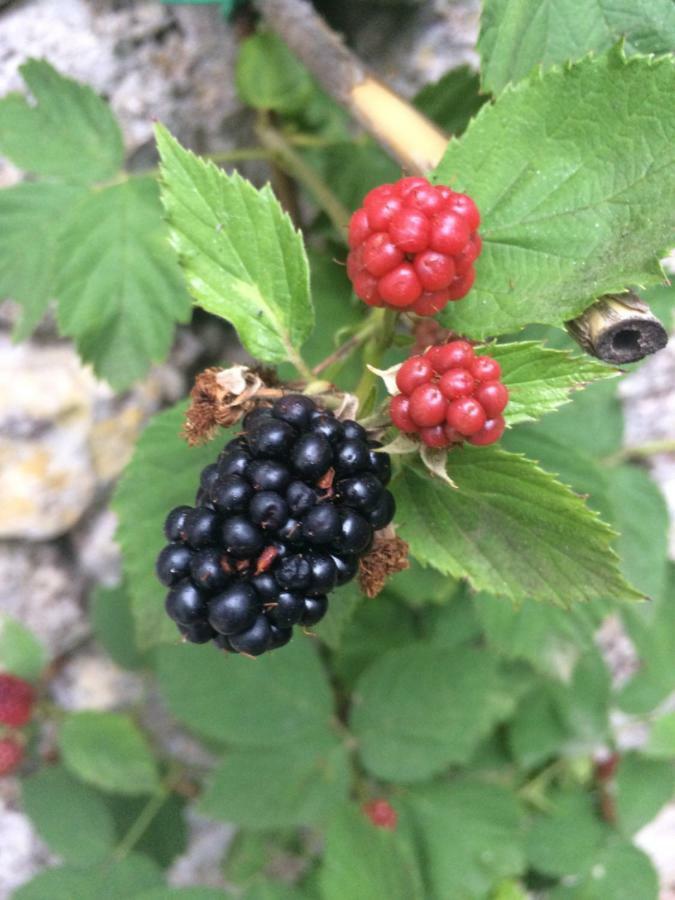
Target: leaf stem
383	328
641	451
142	822
346	349
280	148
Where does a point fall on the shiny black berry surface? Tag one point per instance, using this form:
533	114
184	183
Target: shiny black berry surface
281	519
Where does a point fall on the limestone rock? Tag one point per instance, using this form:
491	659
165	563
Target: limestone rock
41	588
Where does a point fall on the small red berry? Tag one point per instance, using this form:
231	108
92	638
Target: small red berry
409	230
400	287
359	229
365	287
399	410
415	371
457	383
426	198
381	813
380	255
434	437
16	700
381	208
454	355
428	406
431	303
414	226
436	271
465	259
406	185
484	368
489	433
468	210
452	436
461	286
11	754
466	415
492	396
449	233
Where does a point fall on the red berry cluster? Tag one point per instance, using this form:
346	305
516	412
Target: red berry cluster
413	245
381	813
449	395
16	706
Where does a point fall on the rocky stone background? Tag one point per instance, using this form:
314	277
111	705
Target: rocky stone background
64	436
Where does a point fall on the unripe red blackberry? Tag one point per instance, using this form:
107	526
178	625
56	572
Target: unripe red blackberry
16	700
449	395
282	517
413	246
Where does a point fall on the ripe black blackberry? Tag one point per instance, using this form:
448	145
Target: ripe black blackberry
281	518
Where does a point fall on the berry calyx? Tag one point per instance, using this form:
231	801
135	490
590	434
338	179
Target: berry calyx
16	700
381	813
413	245
449	395
281	519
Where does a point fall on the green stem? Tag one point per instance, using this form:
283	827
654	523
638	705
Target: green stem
641	451
292	162
383	328
141	823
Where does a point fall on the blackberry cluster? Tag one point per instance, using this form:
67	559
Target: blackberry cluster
449	395
413	245
280	519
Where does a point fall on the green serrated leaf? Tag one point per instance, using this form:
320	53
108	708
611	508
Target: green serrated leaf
641	517
642	787
651	627
563	222
125	880
378	625
452	100
620	871
108	751
268	76
548	637
113	625
370	863
536	732
582	704
242	258
86	835
592	424
471	835
569	839
511	529
570	464
278	699
540	380
163	473
517	35
20	651
661	743
248	789
119	289
69	132
419	709
194	893
342	608
31	215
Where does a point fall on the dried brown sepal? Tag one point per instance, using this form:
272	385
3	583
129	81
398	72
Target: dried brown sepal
220	398
388	556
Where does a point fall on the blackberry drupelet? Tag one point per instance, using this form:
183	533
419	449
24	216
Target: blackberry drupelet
282	518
